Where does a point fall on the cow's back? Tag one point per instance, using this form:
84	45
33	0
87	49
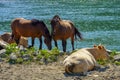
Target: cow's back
80	61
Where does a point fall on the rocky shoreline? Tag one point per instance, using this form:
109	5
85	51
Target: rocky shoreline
48	70
54	71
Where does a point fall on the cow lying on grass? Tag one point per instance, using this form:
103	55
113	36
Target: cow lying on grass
7	38
84	59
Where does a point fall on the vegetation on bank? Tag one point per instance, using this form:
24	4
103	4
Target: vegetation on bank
111	60
15	55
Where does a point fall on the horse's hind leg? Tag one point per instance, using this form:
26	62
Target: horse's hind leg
64	45
32	43
40	39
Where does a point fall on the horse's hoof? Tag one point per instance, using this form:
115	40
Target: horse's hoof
30	46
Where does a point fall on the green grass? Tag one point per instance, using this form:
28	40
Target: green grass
111	60
11	48
103	62
43	56
32	54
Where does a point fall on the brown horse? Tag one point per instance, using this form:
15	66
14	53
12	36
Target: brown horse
62	30
30	28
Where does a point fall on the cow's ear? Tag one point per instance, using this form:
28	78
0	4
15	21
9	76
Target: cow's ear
95	45
100	47
103	47
100	44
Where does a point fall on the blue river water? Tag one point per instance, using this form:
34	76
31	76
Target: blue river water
97	20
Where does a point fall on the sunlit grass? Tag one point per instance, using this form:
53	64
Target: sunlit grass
30	55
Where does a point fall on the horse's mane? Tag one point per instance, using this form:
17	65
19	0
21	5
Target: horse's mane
55	20
45	27
56	17
34	22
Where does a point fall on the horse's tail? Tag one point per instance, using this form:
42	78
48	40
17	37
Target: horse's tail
78	33
11	39
13	26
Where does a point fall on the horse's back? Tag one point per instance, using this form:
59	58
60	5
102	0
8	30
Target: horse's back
28	28
31	23
24	27
18	22
65	30
35	22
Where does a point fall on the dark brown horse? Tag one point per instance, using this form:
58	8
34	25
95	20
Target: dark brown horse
62	30
30	28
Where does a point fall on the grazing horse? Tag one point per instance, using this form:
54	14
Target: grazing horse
84	59
30	28
62	30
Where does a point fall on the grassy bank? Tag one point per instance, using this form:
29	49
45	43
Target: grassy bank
15	55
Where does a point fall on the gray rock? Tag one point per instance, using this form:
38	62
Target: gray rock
22	48
13	56
3	44
36	53
117	57
2	53
26	57
1	59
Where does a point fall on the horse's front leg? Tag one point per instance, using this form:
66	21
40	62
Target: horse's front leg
64	45
40	39
33	39
55	43
17	40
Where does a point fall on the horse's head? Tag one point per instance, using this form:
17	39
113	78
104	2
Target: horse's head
56	18
47	41
55	23
46	34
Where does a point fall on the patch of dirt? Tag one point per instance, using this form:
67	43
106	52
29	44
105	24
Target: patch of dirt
54	71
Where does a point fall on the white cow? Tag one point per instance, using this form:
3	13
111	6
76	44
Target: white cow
84	59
